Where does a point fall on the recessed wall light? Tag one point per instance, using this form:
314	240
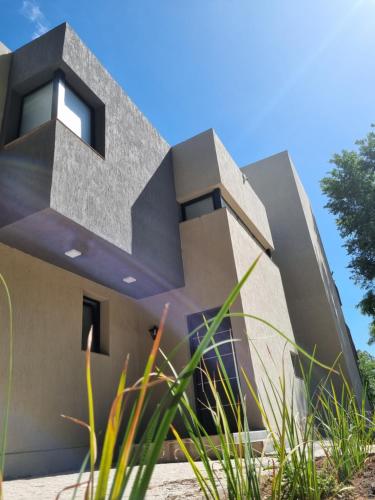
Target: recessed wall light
129	279
73	253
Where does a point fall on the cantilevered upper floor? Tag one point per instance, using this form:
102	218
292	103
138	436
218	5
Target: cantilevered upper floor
88	184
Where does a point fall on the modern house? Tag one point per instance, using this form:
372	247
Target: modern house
102	222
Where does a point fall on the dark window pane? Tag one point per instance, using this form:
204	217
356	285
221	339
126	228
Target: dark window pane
198	208
91	319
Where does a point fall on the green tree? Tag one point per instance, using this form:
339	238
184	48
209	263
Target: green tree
366	364
350	188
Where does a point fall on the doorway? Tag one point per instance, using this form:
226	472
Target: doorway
210	363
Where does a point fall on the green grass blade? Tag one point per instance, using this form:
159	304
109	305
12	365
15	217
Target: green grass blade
113	424
90	401
144	474
4	432
81	471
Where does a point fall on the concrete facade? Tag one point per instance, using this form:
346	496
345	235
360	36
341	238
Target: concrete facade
312	296
5	58
120	201
52	169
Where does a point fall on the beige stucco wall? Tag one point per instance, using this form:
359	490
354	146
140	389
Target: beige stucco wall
263	296
210	275
217	251
49	369
237	190
313	304
49	364
349	363
201	164
5	58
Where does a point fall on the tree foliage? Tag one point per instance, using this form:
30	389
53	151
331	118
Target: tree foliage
366	364
350	188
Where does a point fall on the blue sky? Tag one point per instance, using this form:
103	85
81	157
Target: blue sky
268	75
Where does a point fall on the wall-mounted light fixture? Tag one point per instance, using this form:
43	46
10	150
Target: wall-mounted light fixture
153	331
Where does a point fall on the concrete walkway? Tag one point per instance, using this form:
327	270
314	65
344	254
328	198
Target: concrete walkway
169	481
174	481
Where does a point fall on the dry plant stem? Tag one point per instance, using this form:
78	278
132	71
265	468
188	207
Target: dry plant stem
124	458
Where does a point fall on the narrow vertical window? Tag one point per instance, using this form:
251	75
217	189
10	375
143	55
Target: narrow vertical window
91	320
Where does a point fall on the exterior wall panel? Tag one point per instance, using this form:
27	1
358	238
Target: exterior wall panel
263	296
5	61
313	304
49	366
202	164
125	195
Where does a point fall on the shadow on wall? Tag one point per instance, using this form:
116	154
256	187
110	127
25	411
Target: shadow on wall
155	227
26	176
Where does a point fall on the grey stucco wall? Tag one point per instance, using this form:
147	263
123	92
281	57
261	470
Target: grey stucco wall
26	175
126	194
32	65
5	60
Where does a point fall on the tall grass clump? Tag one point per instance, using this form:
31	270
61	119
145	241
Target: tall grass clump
341	425
7	385
346	428
293	434
125	418
231	451
294	470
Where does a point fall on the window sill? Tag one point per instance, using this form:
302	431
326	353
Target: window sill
81	140
102	354
26	136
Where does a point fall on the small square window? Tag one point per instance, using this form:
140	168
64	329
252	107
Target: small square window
84	116
91	319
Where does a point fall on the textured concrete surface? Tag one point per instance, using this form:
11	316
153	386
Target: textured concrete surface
238	191
26	176
129	197
125	195
263	296
201	164
217	251
47	235
49	365
312	299
5	59
48	301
